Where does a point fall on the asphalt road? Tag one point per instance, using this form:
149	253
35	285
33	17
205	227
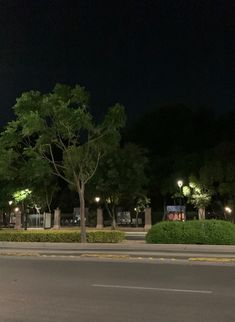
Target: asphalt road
42	289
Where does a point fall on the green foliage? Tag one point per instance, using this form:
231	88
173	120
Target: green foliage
9	163
197	194
142	202
121	176
61	236
210	232
186	191
122	172
105	236
218	171
58	129
178	139
21	195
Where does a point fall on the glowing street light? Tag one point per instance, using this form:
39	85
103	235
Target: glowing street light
97	199
228	210
180	183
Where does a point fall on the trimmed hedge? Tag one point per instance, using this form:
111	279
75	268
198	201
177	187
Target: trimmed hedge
208	232
113	236
60	236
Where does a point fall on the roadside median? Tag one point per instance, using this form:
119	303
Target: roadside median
127	250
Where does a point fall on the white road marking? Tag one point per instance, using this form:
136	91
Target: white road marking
152	288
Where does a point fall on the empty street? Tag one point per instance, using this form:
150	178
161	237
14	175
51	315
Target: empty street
63	289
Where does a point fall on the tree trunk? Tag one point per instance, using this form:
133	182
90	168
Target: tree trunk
48	203
82	213
111	213
114	225
201	213
136	219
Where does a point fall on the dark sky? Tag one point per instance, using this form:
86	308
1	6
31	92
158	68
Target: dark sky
139	53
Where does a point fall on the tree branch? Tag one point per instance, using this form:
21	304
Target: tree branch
95	168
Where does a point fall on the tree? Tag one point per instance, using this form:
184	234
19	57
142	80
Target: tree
198	195
121	177
218	171
58	128
18	170
20	196
36	174
177	138
142	202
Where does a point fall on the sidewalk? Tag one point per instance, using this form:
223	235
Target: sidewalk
128	248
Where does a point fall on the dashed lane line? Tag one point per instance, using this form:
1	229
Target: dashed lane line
212	259
152	288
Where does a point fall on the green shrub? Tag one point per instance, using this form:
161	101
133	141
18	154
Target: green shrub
60	236
105	236
209	232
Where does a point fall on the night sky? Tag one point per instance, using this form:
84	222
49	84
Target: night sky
139	53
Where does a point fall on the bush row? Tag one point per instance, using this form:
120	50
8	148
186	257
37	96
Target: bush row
60	236
209	232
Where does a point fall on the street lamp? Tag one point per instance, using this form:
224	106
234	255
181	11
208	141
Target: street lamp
180	184
97	199
228	210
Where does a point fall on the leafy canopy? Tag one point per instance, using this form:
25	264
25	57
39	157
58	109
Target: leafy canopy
197	194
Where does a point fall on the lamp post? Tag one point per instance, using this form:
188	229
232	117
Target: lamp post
8	218
17	218
180	184
99	215
228	210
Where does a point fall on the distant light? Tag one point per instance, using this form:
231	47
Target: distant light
97	199
17	209
228	209
179	183
10	202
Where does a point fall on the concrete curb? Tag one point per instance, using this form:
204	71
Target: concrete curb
125	250
125	245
